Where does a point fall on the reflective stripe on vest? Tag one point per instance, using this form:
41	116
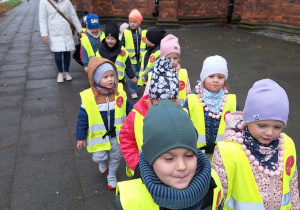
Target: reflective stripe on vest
97	129
150	64
129	45
242	191
197	116
134	195
120	62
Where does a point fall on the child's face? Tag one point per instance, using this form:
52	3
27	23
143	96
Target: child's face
174	57
265	131
133	23
149	44
176	168
214	82
107	80
95	31
110	41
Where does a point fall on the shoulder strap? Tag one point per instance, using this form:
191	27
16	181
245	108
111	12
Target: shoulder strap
59	12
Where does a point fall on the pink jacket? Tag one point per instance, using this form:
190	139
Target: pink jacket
128	143
270	187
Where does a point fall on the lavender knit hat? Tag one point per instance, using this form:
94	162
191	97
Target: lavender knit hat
266	100
214	65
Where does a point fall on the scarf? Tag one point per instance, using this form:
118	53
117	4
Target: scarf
266	154
213	100
190	198
97	36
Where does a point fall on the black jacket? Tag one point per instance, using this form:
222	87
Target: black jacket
112	56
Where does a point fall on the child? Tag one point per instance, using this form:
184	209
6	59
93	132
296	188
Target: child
90	42
102	113
256	163
84	17
123	26
134	40
112	49
174	174
131	137
169	48
210	103
153	37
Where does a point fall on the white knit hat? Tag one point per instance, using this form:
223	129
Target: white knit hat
214	65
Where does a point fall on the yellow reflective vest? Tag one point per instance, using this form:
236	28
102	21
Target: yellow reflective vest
182	76
243	192
120	62
129	45
97	129
85	42
197	116
144	69
134	194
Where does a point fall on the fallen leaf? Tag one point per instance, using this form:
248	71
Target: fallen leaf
225	44
5	85
238	40
197	50
219	37
259	46
28	114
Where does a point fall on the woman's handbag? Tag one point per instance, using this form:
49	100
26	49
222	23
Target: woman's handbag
76	54
59	12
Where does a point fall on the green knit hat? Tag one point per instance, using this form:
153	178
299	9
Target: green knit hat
167	126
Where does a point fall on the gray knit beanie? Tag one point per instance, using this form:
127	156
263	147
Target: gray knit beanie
167	126
102	69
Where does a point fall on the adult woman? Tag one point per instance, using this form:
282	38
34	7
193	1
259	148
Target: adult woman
57	32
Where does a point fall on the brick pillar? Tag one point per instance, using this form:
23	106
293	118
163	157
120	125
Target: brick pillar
168	13
255	14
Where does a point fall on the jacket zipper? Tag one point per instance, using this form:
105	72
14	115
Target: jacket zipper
108	114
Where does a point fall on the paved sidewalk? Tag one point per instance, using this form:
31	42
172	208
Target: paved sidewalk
40	165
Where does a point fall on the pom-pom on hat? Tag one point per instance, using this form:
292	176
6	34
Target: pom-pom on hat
214	65
167	126
135	14
266	100
168	45
164	82
112	29
155	34
93	21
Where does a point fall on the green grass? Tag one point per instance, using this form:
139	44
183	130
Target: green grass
12	3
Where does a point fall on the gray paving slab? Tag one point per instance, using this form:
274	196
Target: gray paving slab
42	167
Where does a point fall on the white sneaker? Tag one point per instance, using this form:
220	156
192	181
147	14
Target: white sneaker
60	77
67	76
112	182
103	168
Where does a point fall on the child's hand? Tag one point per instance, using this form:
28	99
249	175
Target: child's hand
134	79
80	143
143	79
85	69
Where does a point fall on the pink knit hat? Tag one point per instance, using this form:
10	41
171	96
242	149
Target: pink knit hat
135	14
168	45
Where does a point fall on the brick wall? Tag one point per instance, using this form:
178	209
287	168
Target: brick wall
255	11
285	12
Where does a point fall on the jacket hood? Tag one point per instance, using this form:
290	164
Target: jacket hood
94	62
141	106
